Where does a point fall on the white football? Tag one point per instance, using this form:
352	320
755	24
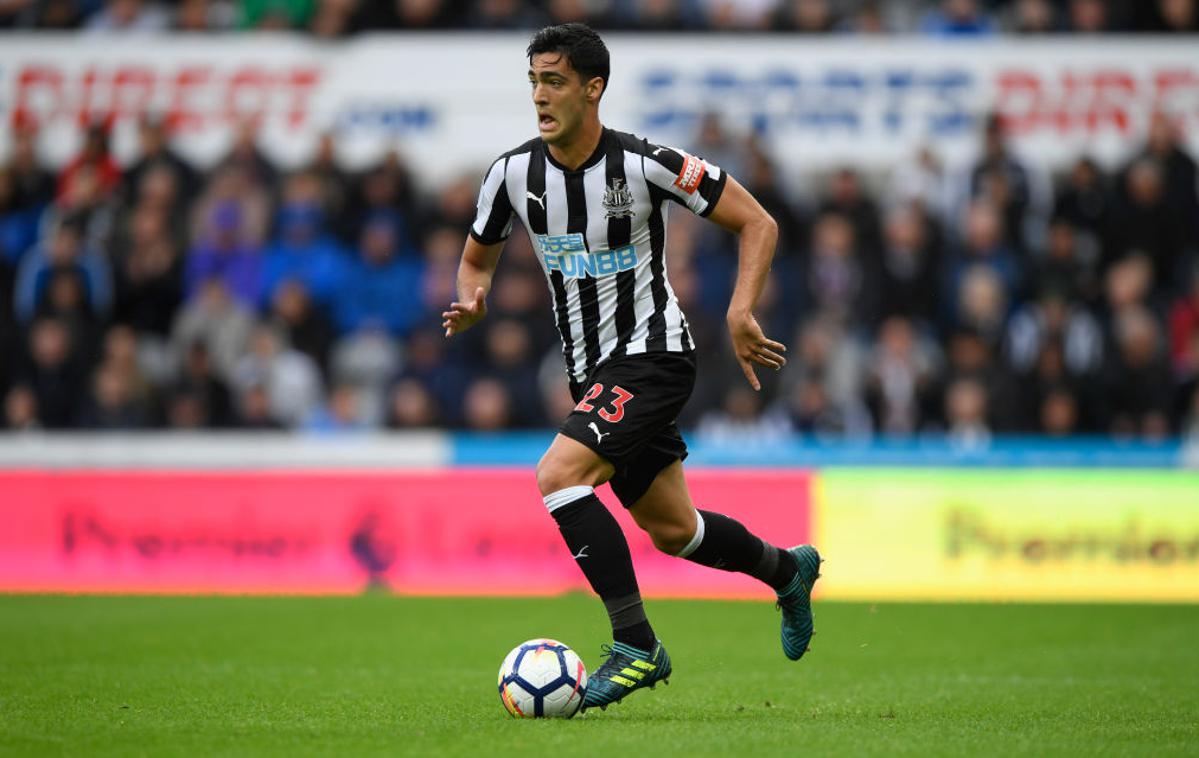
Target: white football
542	678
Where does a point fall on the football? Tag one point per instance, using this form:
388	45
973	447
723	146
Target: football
542	678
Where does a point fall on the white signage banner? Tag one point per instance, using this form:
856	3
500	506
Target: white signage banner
450	103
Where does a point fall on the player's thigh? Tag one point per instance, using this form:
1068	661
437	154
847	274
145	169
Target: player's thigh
666	510
570	463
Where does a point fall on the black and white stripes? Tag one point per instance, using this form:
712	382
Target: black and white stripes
600	234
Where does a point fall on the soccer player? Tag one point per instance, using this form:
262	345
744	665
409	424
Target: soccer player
594	202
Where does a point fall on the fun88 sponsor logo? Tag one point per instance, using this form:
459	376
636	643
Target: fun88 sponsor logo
567	253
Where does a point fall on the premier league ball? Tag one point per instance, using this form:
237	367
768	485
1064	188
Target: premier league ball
542	679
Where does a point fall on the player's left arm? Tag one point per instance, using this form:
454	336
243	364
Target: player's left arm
758	233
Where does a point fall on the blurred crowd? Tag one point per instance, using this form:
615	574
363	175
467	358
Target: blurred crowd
338	18
964	300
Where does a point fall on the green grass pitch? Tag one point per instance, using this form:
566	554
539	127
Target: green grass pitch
388	675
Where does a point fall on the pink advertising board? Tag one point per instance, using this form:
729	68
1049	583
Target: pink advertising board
449	531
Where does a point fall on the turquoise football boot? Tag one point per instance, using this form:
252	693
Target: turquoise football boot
796	602
626	670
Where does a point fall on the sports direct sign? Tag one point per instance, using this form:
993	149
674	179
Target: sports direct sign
451	103
463	531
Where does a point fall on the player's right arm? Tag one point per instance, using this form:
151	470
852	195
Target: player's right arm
493	223
474	282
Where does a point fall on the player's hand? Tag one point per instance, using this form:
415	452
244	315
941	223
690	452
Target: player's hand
462	316
752	346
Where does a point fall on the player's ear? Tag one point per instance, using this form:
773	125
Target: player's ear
594	89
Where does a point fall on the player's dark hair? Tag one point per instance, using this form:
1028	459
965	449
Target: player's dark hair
583	48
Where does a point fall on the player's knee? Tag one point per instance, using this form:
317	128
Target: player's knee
670	537
554	474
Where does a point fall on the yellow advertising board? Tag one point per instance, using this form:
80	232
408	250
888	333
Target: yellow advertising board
1008	534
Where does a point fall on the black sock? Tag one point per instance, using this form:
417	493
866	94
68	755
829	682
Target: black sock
601	551
727	545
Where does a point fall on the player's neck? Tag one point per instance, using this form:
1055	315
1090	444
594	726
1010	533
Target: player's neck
578	150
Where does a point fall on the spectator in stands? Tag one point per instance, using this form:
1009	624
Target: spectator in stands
1052	317
156	155
1084	201
804	17
1190	421
1061	267
255	168
124	354
291	378
112	404
512	362
1138	383
385	189
35	185
910	266
343	412
983	276
1089	16
956	18
148	275
334	185
1167	16
651	15
411	14
20	410
303	251
1184	335
367	359
18	221
65	251
334	19
224	253
412	406
382	290
486	406
128	16
1034	17
504	14
254	413
305	326
193	16
810	412
9	334
901	378
740	421
94	164
1180	176
445	375
199	397
54	371
230	186
1142	223
921	183
66	301
972	355
867	18
966	413
848	198
1058	413
216	319
837	284
1019	193
275	14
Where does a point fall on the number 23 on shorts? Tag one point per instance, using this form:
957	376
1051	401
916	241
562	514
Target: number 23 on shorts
611	416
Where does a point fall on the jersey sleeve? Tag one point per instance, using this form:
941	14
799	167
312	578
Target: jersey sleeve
493	217
684	178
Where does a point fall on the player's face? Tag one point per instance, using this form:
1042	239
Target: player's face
560	96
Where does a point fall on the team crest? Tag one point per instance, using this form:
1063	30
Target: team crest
618	200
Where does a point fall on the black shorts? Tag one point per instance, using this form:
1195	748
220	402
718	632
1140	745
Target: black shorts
626	412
